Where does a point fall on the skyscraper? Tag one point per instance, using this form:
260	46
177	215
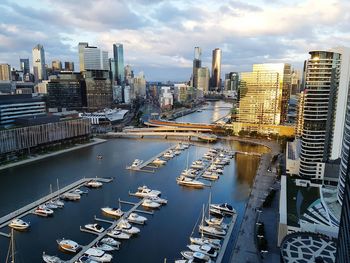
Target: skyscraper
56	65
92	58
118	54
326	88
24	65
68	66
197	63
216	70
5	72
203	79
39	68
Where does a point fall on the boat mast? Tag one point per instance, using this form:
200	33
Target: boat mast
209	205
12	248
202	222
58	187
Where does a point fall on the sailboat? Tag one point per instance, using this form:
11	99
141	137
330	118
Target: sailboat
10	258
56	201
214	221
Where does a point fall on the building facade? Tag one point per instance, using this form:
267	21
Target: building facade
39	68
69	66
24	65
216	70
197	63
118	54
203	79
56	65
5	72
92	58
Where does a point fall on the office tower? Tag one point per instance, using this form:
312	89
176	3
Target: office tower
326	88
99	93
56	65
197	63
39	68
231	81
118	54
68	66
203	79
92	58
216	70
295	82
24	65
139	85
300	112
113	70
5	72
129	74
261	94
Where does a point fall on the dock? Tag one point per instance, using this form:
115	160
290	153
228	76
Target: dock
28	209
226	240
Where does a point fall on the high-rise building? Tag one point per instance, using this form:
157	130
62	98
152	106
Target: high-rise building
118	54
5	72
69	66
56	65
92	58
129	74
326	88
24	65
262	96
216	70
197	63
39	68
295	82
203	79
139	85
300	112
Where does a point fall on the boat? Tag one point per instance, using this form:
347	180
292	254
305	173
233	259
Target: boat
199	110
216	212
136	219
105	247
184	181
144	191
191	173
136	163
210	176
51	259
93	184
85	259
190	255
98	255
205	249
51	205
197	166
215	243
70	196
224	207
117	234
112	211
57	203
215	221
168	155
212	231
42	210
99	157
80	192
185	145
150	204
110	241
177	152
68	245
158	200
159	161
19	224
95	228
125	227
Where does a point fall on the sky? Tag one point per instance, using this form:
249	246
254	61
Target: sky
159	36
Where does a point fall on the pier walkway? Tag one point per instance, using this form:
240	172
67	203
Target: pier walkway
226	240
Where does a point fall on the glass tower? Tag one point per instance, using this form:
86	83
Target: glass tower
118	53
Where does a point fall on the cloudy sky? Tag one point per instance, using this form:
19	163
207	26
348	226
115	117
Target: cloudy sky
159	35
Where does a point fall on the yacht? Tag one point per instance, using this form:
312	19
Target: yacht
105	247
215	243
68	245
117	234
93	184
144	191
196	165
98	255
159	161
150	204
215	221
85	259
71	196
185	145
80	192
136	219
52	259
110	241
124	226
216	212
19	224
224	207
177	152
136	163
95	228
191	173
113	211
190	255
210	176
57	202
169	155
182	180
42	210
205	249
212	231
158	200
50	205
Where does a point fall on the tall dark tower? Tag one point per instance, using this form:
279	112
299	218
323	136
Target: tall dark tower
216	70
197	63
118	54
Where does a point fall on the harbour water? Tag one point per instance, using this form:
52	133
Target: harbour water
166	232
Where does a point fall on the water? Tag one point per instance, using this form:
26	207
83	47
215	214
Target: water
166	232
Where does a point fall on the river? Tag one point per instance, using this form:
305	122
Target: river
166	232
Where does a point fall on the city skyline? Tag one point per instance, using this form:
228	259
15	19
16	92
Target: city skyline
159	36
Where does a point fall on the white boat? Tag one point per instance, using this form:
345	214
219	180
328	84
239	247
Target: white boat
197	166
51	259
68	245
190	255
136	163
105	247
215	221
157	199
98	255
57	202
205	249
19	224
150	204
85	259
110	241
210	176
95	228
182	180
191	173
215	243
70	196
118	234
136	219
93	184
42	210
51	205
125	226
216	212
159	161
80	192
144	191
212	231
112	211
177	152
224	207
185	145
169	155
